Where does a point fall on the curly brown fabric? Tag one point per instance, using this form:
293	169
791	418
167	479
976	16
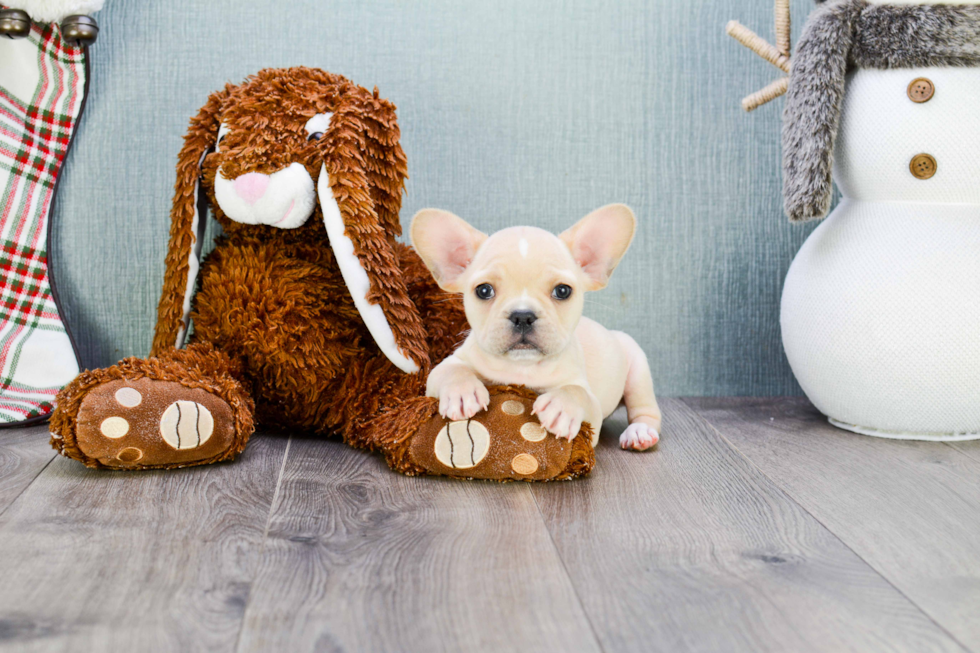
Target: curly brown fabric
199	366
361	152
272	312
276	332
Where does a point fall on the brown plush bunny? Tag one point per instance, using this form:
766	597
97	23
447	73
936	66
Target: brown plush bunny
308	313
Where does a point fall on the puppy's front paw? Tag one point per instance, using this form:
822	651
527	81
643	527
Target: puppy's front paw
463	399
559	413
639	437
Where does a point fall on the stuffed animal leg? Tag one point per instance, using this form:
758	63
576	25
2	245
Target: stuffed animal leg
503	443
184	407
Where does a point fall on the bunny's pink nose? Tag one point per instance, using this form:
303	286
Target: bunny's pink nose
250	187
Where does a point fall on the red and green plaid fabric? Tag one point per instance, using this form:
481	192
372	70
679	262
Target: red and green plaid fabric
36	125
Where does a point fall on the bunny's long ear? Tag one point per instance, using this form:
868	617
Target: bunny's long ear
187	223
360	188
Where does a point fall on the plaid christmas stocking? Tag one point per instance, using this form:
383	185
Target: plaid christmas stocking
42	88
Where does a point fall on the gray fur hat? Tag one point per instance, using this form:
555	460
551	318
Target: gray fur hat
839	35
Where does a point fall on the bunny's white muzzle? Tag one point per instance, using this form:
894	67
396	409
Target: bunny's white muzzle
285	199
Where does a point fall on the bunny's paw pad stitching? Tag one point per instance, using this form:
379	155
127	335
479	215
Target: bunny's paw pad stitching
147	423
505	442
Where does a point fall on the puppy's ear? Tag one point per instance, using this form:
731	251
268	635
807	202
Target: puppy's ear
187	222
446	244
599	240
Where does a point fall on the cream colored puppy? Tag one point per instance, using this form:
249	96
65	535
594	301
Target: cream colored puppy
523	291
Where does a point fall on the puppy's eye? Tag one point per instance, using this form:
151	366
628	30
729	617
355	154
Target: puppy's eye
484	291
315	136
562	292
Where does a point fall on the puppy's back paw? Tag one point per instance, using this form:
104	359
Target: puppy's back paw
639	437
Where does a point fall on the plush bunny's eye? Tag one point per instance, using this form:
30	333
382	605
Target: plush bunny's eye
317	126
222	132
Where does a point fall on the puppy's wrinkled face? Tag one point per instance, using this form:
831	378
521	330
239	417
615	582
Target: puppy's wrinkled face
523	294
523	288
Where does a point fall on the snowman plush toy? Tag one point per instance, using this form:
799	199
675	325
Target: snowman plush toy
881	307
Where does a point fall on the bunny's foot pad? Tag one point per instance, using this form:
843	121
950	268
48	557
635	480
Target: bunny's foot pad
149	423
171	411
504	443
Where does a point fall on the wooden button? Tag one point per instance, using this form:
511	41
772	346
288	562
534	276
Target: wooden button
923	166
921	90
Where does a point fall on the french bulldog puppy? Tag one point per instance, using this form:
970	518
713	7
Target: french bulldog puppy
523	291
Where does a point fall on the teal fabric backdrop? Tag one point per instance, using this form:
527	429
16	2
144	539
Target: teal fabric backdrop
512	111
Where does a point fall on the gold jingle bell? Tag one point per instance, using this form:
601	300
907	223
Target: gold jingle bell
14	23
79	30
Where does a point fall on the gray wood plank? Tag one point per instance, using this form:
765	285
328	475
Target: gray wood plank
910	509
969	449
690	548
115	561
23	454
362	559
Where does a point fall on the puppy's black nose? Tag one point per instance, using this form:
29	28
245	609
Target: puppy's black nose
523	321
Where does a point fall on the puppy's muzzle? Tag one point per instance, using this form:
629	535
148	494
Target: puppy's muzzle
523	321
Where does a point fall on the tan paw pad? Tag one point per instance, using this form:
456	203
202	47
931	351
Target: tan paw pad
129	455
128	397
524	464
512	407
186	425
114	427
463	444
533	432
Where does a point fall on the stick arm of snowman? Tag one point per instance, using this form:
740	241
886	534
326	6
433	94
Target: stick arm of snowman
814	89
778	55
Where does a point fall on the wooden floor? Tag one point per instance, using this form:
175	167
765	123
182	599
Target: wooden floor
755	526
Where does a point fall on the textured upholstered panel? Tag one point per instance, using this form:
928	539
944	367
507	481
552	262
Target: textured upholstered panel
513	111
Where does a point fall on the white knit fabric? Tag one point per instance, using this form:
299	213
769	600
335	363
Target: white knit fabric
881	307
882	129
